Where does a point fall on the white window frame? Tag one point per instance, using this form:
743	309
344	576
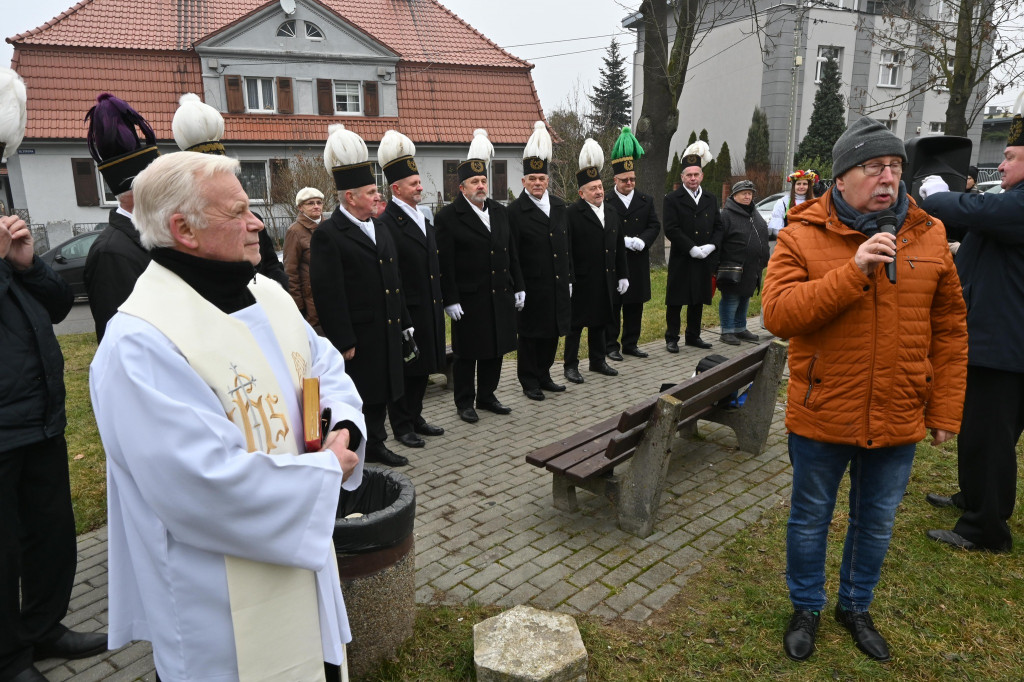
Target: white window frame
824	51
310	27
937	127
107	198
358	90
286	29
261	84
889	123
260	199
890	69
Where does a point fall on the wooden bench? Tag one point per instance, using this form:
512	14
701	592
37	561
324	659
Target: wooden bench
644	435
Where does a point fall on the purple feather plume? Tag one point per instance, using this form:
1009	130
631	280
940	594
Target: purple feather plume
112	125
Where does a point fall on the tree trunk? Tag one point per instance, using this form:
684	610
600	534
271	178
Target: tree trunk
963	71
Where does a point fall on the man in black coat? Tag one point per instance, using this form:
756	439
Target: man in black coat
640	227
357	291
693	225
482	285
599	269
416	245
990	262
538	223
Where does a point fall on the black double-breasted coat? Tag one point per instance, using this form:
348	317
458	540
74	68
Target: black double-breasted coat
421	286
480	271
689	224
542	244
639	219
598	263
358	294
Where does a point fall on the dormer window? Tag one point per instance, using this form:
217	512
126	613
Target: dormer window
313	31
287	29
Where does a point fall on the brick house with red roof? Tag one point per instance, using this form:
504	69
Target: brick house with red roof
281	72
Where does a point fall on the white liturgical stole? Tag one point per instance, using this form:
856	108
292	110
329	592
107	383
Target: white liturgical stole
274	609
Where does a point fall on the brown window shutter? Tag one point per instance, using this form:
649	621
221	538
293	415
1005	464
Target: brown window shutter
325	96
451	180
370	104
499	180
279	186
236	102
86	190
284	96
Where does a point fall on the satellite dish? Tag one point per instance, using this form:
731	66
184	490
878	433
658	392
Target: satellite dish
288	6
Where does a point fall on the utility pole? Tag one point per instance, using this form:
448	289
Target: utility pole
794	80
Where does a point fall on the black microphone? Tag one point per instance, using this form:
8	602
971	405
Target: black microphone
887	224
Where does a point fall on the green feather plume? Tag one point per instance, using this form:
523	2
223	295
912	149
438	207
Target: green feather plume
627	145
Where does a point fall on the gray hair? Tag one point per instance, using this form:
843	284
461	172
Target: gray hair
173	184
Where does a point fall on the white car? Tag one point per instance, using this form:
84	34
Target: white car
765	206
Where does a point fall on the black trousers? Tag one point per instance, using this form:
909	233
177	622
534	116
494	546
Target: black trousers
487	373
374	415
38	550
534	360
595	347
405	413
992	424
631	316
694	313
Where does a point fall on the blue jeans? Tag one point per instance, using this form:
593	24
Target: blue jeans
878	479
732	311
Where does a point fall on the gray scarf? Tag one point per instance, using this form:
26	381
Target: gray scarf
868	222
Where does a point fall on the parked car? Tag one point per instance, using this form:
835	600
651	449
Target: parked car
765	206
990	186
68	261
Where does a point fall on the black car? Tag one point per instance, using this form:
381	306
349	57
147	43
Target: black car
68	260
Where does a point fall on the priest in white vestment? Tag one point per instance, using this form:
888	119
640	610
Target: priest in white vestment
220	523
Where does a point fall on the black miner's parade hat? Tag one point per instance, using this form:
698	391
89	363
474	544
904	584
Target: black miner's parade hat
396	156
113	143
480	152
591	162
697	154
537	153
626	152
1016	136
348	159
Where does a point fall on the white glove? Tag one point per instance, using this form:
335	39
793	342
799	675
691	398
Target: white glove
454	311
520	299
407	333
698	252
707	249
635	244
623	285
933	184
953	247
570	289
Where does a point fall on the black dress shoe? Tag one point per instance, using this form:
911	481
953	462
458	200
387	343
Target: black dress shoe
672	346
604	369
940	501
72	645
380	454
411	440
493	406
953	538
533	393
469	415
698	343
549	385
865	636
730	339
29	674
573	375
615	355
746	335
426	429
636	352
800	633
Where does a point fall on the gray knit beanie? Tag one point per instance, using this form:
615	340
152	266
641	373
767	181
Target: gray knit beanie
865	139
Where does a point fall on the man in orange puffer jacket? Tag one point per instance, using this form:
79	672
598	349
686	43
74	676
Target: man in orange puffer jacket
873	366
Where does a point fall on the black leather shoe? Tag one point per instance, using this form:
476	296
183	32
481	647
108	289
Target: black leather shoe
411	440
940	501
573	375
382	455
493	406
698	343
949	537
604	369
865	636
635	352
533	393
72	645
29	674
730	339
552	386
615	355
469	415
672	346
747	336
800	633
426	429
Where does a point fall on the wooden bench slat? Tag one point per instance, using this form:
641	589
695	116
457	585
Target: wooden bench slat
593	448
541	456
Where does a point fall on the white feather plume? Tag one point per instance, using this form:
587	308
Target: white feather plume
591	154
394	145
196	122
700	148
481	147
539	144
343	148
12	110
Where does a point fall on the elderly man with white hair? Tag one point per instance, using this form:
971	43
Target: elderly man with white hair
220	521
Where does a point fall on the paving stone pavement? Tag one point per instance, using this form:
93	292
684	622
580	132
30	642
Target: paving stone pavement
486	530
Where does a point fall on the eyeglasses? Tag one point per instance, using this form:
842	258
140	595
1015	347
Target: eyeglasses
627	180
873	169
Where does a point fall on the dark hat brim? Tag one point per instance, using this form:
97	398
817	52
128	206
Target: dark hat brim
400	169
471	168
624	165
353	176
119	171
587	175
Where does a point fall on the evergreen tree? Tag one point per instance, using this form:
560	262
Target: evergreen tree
828	120
704	135
693	138
757	158
724	164
673	174
611	99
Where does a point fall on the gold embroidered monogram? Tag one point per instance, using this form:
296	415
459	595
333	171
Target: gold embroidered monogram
628	164
592	172
536	164
412	165
258	417
477	166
